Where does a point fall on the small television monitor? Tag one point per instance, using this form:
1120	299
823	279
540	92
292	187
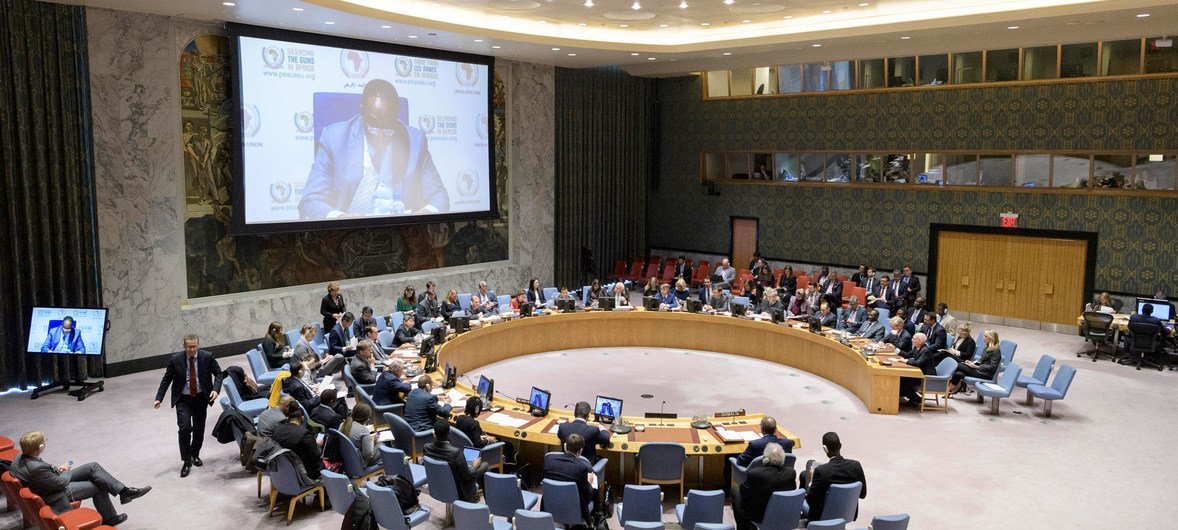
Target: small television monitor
526	308
67	330
694	306
738	309
566	306
815	325
451	377
460	324
778	316
607	408
430	355
1161	308
439	335
606	302
538	401
650	303
486	390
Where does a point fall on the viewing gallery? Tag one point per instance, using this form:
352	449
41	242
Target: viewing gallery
588	264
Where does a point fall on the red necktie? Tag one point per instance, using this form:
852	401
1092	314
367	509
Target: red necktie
192	390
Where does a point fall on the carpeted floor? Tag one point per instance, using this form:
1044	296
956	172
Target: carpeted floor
1101	462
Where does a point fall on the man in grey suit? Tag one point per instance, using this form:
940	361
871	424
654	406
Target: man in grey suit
718	301
422	408
373	164
854	315
873	329
61	485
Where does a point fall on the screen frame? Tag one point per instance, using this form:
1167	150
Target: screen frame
597	406
1155	302
547	400
238	225
102	343
490	389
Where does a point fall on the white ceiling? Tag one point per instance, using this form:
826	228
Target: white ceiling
573	35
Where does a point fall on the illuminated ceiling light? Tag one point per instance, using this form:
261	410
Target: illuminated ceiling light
1142	15
826	12
683	5
634	54
329	23
650	58
787	17
588	3
905	37
228	4
705	23
728	2
623	25
296	9
636	6
664	25
413	36
745	21
582	24
727	53
816	45
386	27
556	49
495	47
864	4
1011	27
572	55
478	40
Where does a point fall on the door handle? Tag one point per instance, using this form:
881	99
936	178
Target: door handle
1048	288
1010	285
965	281
998	285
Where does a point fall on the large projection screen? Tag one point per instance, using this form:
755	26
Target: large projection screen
344	133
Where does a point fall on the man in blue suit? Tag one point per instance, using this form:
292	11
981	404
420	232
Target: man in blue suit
373	164
593	436
64	338
854	315
757	447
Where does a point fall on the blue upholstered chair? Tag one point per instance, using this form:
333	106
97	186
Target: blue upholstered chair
938	386
378	411
429	326
549	294
471	516
504	496
350	381
396	318
1007	357
828	524
491	453
339	491
784	510
842	502
504	303
385	338
1008	347
262	373
1001	389
883	314
395	462
284	479
742	300
701	507
641	503
661	463
405	438
250	408
979	345
529	520
714	526
889	522
563	501
354	466
1057	390
464	301
441	481
640	525
739	474
1042	372
585	296
293	337
388	512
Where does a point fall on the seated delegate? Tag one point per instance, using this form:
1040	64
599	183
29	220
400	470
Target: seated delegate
769	304
984	368
750	501
666	300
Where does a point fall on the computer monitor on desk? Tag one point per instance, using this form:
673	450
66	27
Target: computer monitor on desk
738	309
566	306
525	309
778	316
486	391
1161	308
607	409
694	306
606	302
538	402
650	303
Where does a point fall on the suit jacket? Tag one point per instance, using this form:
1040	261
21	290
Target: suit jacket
833	288
272	352
726	275
925	358
389	388
363	374
756	448
915	317
300	391
594	436
403	335
721	303
966	347
759	485
789	283
56	342
536	297
989	362
895	296
937	338
464	475
857	277
873	330
339	168
566	467
299	440
44	480
828	321
423	408
208	376
860	314
337	339
883	296
328	308
765	307
838	471
800	306
948	322
304	350
902	341
910	286
326	416
359	325
426	309
868	284
490	301
683	270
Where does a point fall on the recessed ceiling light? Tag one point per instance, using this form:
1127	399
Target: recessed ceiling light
1011	27
572	55
1139	15
683	4
826	12
582	24
386	27
231	4
705	24
636	6
588	3
329	23
495	47
623	25
816	45
541	21
905	37
864	4
478	40
650	58
413	36
296	9
663	25
787	17
556	49
745	21
727	53
633	54
728	2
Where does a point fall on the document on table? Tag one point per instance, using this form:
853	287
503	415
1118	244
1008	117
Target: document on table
735	436
326	382
499	418
384	436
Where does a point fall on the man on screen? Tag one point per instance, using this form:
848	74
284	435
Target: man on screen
64	338
373	164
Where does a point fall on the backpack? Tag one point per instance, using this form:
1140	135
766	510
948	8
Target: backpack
248	441
359	515
263	449
404	490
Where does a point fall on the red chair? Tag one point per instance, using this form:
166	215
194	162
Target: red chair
652	271
654	260
12	488
841	277
668	273
9	454
777	274
5	443
619	270
803	281
635	272
799	273
82	518
701	273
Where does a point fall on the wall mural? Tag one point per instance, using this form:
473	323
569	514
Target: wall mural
219	263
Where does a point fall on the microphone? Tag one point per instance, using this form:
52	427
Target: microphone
515	399
661	417
567	405
470	380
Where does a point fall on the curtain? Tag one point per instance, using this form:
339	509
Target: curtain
606	157
48	228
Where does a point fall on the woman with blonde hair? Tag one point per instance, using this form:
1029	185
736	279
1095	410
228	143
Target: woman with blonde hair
984	369
332	307
681	290
450	305
963	348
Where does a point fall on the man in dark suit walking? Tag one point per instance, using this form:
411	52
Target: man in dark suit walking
768	436
61	485
195	379
838	471
593	436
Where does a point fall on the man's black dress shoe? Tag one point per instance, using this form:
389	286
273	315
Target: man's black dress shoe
131	494
186	469
196	461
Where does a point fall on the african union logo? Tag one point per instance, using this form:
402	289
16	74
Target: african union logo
481	126
354	63
273	56
280	192
467	74
303	122
403	66
468	182
251	120
426	123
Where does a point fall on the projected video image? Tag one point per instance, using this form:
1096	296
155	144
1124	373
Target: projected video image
66	330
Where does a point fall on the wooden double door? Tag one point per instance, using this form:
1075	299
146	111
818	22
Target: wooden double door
1020	280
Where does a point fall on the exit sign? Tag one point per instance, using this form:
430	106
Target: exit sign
1009	219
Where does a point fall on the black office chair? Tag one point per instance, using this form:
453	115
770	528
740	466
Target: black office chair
1145	340
1098	330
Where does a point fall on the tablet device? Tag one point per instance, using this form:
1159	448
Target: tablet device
470	453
